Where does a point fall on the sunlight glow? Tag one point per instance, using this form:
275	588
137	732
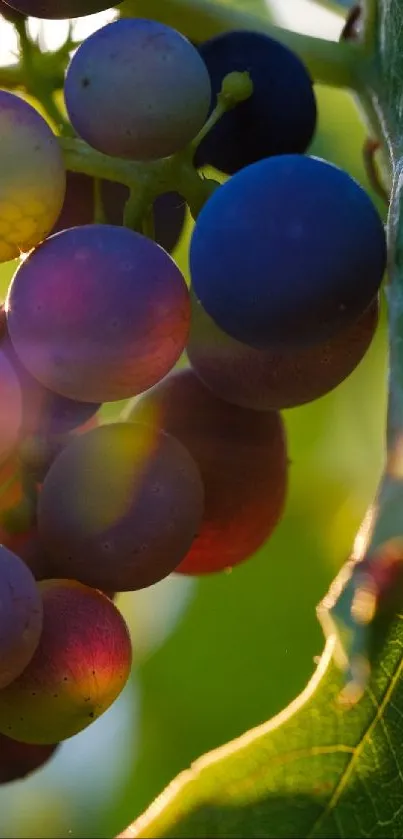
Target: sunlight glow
304	16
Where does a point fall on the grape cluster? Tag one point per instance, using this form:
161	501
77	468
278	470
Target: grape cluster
286	260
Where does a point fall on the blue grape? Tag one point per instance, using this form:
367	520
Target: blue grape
289	251
60	9
138	89
78	208
98	313
33	177
279	117
21	616
119	507
10	14
276	378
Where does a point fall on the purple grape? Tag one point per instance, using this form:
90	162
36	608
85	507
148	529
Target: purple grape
275	378
21	616
98	313
120	507
137	89
60	9
78	208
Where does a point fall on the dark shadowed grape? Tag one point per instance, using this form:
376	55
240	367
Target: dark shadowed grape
242	460
119	507
10	14
17	760
80	666
279	378
98	313
78	208
138	89
20	616
11	406
289	251
279	117
60	9
33	177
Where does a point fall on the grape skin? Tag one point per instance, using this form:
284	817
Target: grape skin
33	177
288	252
21	616
279	117
17	760
78	208
61	9
98	313
79	668
277	378
148	102
44	412
119	507
243	464
11	409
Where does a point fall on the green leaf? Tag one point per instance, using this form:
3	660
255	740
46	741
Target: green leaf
316	770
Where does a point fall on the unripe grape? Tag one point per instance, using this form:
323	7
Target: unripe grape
33	177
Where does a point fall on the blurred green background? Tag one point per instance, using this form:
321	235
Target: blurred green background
217	656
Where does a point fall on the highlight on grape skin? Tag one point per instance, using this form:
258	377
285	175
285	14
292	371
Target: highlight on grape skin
21	616
80	667
33	177
278	378
288	228
61	9
135	107
243	464
98	313
169	209
17	760
263	125
120	507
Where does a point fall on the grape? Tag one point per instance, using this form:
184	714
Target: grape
138	89
20	616
279	117
26	545
289	251
10	407
33	177
98	313
60	9
17	760
45	412
81	665
242	460
9	14
78	208
38	451
119	507
277	378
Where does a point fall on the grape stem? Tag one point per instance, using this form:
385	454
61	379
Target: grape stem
365	585
328	62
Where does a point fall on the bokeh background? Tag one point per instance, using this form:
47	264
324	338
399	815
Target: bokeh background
217	656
